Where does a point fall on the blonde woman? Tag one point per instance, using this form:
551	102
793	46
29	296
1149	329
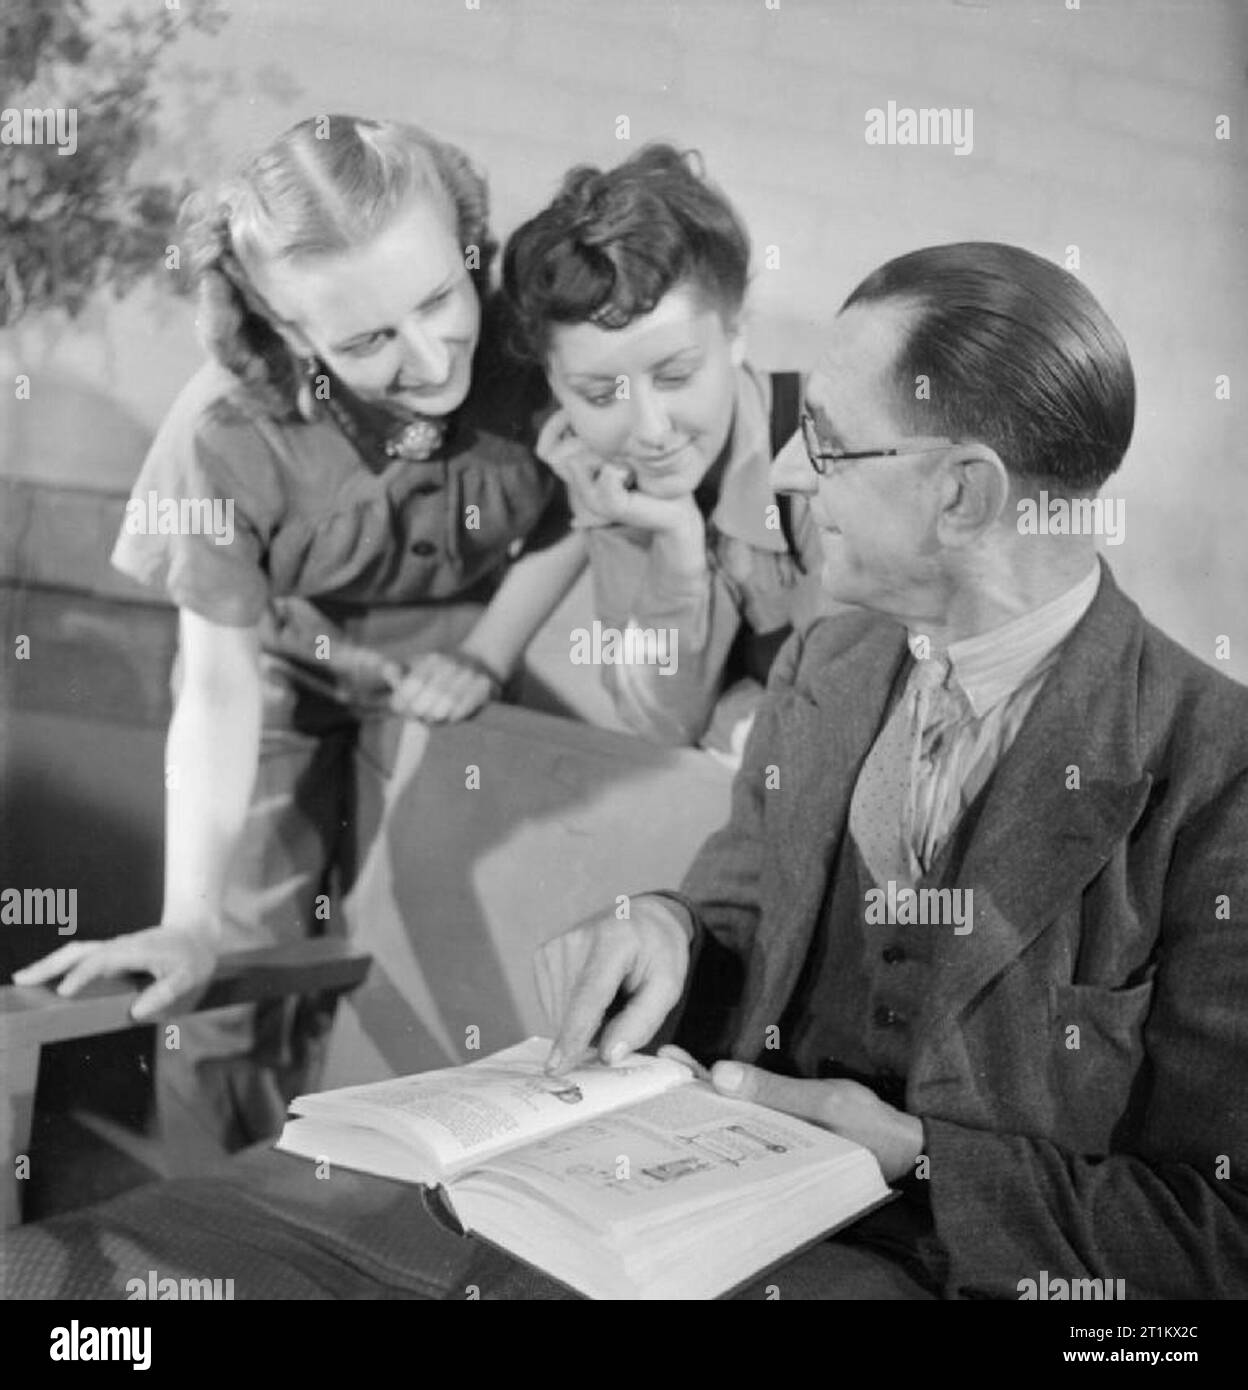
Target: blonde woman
392	545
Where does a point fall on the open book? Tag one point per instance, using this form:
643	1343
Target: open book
631	1181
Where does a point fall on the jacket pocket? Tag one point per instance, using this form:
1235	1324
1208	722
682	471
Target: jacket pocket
1098	1050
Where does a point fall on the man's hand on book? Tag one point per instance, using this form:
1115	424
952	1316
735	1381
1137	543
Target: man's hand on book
846	1108
580	972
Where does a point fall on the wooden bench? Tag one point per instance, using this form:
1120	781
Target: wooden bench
36	1015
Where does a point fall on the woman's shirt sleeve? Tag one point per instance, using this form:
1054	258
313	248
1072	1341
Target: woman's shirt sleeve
693	621
696	620
201	514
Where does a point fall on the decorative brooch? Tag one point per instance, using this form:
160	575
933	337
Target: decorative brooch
417	441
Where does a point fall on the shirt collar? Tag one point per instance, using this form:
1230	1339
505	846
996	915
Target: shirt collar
991	666
745	494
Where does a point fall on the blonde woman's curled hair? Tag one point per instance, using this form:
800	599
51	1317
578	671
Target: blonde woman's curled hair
329	184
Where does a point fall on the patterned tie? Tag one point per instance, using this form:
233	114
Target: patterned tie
937	706
899	816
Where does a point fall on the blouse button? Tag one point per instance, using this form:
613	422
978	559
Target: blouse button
423	548
886	1018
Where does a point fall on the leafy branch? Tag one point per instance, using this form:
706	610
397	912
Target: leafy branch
72	224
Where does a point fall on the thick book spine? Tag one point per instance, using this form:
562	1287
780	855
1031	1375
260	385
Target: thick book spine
438	1204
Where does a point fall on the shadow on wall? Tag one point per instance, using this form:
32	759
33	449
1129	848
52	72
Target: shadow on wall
471	870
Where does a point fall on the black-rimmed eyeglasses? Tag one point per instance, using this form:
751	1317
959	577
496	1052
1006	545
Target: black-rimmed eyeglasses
821	456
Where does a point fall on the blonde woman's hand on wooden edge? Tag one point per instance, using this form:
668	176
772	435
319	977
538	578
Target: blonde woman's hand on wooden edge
181	958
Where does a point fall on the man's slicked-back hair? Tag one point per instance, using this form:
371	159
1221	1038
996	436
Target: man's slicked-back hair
614	242
1017	354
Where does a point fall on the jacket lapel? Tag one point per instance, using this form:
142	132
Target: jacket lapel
1038	840
824	738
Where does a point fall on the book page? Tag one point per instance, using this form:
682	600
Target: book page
461	1115
688	1148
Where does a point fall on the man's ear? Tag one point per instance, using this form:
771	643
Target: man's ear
975	491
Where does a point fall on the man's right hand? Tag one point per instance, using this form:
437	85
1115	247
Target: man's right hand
182	959
580	972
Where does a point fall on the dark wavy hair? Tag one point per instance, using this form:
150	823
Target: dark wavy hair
1018	355
614	242
329	184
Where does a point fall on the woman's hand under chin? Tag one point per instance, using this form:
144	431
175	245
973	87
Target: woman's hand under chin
605	494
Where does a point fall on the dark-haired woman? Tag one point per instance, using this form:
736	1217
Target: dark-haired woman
628	289
372	449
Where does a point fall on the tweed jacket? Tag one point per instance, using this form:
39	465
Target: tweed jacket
1080	1062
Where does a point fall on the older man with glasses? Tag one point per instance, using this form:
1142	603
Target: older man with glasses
1054	1077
